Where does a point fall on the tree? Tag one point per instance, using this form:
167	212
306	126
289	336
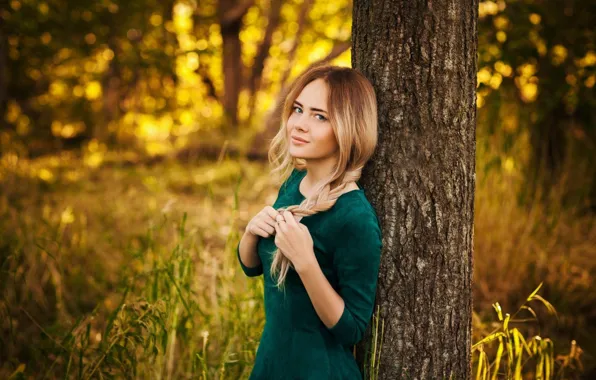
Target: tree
537	66
421	59
238	76
77	63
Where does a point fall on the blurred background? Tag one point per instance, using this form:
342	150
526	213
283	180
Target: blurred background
133	151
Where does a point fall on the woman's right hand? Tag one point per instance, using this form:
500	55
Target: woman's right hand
263	224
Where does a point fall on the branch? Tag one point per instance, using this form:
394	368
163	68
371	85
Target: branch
302	17
236	13
259	62
337	50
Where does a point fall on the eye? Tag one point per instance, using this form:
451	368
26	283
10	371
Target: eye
323	118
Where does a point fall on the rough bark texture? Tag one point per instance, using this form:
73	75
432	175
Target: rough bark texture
421	58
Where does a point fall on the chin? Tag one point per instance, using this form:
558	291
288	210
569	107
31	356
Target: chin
296	151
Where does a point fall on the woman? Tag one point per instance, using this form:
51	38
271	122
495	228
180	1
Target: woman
319	245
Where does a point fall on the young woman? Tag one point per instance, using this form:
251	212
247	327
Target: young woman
319	245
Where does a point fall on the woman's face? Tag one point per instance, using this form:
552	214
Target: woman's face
309	120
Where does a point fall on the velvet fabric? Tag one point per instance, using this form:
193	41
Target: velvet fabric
295	343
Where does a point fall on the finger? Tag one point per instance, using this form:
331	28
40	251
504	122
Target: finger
269	221
270	217
279	218
282	226
271	212
266	227
289	217
278	241
261	232
277	228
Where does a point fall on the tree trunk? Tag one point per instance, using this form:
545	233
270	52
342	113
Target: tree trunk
548	142
111	84
421	58
232	70
230	20
3	78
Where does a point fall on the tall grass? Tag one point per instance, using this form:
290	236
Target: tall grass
176	306
522	240
162	325
515	353
374	353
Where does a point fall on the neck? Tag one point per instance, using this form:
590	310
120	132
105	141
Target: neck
317	169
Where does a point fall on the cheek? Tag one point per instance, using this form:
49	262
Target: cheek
291	119
328	136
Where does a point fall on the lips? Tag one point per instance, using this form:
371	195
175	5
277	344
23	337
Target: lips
299	139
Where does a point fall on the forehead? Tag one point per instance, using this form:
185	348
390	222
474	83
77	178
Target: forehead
314	94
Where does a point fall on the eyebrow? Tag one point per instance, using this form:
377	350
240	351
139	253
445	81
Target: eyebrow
311	108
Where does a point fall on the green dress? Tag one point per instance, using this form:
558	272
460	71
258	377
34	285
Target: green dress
295	343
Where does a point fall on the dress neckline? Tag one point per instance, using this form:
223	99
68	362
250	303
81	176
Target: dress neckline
302	174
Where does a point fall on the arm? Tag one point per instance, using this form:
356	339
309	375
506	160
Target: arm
357	257
247	253
327	303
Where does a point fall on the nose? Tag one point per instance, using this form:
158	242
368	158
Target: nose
301	124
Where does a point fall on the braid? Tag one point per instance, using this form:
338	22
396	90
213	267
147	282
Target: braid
323	201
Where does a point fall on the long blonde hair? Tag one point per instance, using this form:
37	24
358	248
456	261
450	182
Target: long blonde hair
352	111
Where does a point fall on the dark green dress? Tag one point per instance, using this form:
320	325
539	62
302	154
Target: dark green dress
295	343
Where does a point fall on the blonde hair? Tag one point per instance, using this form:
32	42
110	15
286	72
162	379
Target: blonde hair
352	111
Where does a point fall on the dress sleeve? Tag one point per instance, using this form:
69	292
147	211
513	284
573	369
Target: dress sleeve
356	260
249	271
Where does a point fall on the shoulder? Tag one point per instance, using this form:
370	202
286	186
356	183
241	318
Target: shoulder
288	181
358	241
356	209
357	217
294	174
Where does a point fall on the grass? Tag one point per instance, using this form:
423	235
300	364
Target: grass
515	353
130	271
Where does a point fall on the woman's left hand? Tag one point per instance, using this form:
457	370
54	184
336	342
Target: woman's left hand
294	241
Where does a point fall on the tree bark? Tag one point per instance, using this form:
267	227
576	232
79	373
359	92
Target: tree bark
421	58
